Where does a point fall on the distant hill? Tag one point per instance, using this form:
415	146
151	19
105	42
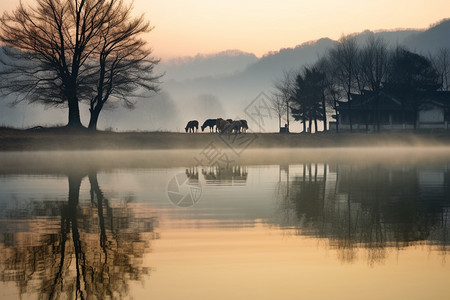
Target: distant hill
430	40
216	65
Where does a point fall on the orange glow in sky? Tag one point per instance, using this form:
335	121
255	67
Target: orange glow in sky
185	28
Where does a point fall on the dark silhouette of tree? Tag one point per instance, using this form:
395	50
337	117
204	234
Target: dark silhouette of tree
344	59
53	41
410	77
62	52
299	106
282	95
278	106
441	63
331	94
411	71
374	64
308	96
123	63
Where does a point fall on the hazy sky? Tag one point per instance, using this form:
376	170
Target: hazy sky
188	27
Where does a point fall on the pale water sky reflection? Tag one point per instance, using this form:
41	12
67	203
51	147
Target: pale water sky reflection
329	229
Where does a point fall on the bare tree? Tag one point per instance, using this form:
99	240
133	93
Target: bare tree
373	67
284	89
123	65
331	95
441	62
62	52
54	39
374	62
344	59
278	105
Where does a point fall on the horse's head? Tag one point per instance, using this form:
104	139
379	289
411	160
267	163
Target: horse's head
203	128
186	128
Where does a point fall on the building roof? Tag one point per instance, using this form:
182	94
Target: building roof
387	101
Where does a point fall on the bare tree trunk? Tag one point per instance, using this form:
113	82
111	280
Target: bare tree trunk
74	113
95	113
324	112
287	115
279	116
94	119
337	116
349	111
377	111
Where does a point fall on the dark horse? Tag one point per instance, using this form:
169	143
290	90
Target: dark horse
244	125
191	125
209	123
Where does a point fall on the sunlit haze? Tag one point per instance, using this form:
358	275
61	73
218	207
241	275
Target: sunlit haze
185	28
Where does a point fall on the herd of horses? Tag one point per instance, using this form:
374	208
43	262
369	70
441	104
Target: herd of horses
221	126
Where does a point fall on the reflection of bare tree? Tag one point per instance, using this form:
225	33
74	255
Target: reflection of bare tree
229	175
370	207
95	251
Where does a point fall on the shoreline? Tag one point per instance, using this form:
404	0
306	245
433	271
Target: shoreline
63	139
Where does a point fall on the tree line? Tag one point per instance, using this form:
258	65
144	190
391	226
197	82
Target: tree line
63	52
312	94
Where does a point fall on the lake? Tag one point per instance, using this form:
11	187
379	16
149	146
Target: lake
344	223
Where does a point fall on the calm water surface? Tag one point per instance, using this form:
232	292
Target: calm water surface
331	228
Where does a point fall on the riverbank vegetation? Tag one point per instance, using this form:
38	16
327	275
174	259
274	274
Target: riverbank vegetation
367	85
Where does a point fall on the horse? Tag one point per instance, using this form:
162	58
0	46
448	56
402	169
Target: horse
235	127
191	125
244	125
209	123
222	125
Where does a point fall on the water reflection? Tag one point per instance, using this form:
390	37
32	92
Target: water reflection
229	175
192	174
375	207
71	249
68	231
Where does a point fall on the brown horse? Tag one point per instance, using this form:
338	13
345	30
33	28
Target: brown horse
191	125
222	125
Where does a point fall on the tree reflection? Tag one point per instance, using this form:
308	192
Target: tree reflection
93	251
377	208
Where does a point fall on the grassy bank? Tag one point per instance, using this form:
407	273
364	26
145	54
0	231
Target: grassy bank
64	139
